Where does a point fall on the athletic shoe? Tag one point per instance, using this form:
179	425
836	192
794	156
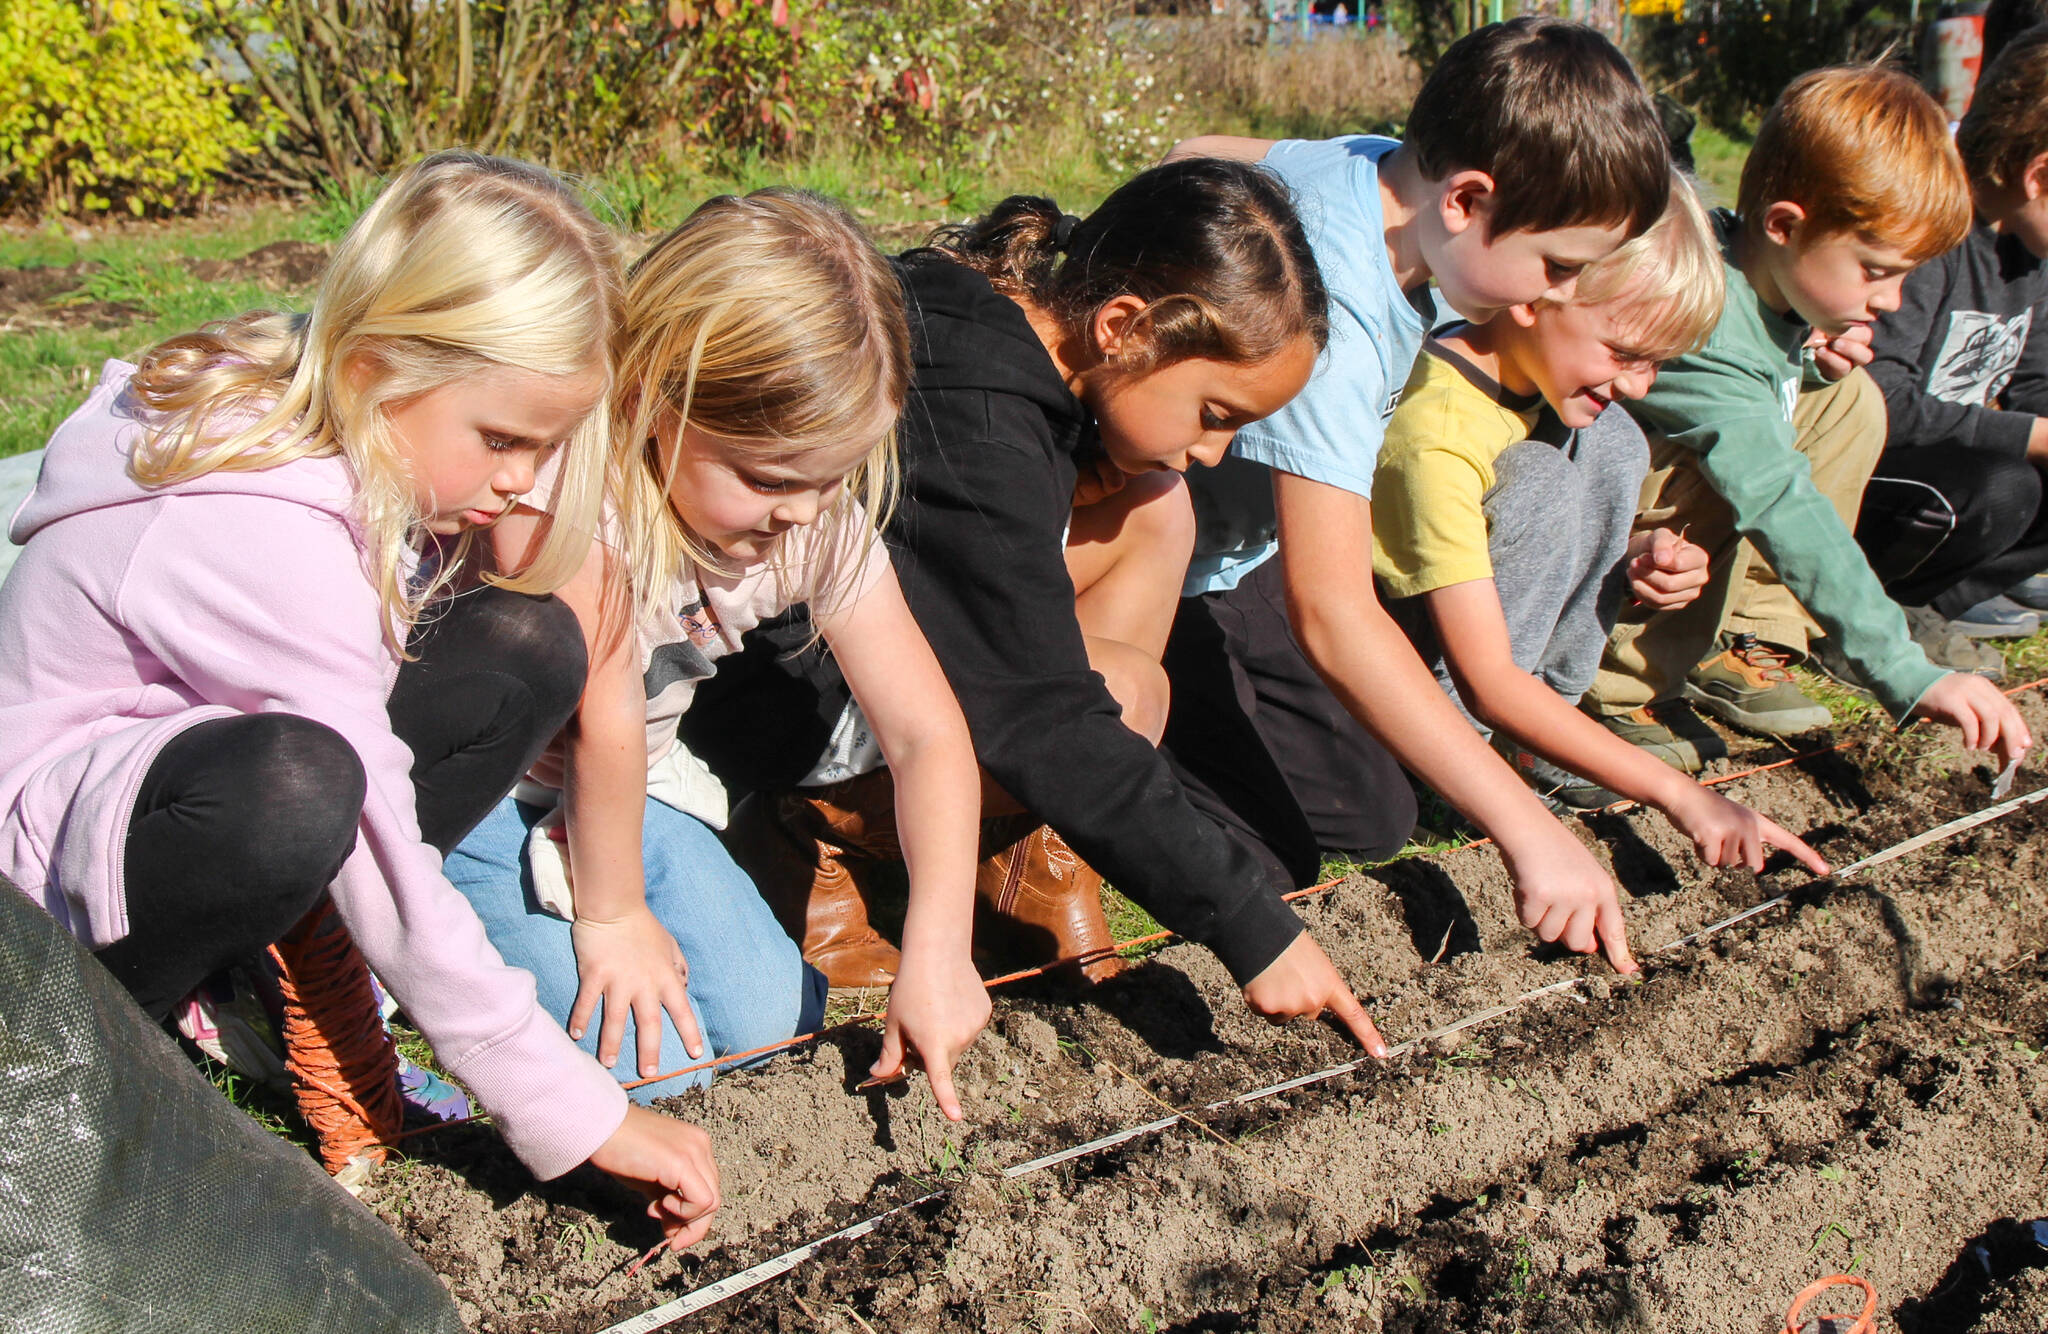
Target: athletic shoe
1561	791
1748	684
1946	646
2031	593
1671	731
429	1099
228	1022
1997	618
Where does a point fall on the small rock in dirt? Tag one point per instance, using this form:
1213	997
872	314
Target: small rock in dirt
1599	988
976	1196
1805	961
1033	1036
1031	1093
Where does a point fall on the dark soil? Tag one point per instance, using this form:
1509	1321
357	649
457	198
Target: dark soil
1852	1083
44	297
279	264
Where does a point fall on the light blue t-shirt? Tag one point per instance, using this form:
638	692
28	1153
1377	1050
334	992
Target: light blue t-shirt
1332	430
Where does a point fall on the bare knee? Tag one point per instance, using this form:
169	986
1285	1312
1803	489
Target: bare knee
1137	683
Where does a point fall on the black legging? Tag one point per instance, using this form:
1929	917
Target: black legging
242	822
1950	527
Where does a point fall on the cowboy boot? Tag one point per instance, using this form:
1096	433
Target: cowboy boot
810	883
1048	902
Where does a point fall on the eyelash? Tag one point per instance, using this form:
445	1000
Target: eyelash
1212	421
764	485
1561	272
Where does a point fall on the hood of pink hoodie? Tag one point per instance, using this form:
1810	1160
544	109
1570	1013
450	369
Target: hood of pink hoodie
85	466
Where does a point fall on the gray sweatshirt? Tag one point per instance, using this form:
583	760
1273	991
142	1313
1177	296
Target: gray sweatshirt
1956	361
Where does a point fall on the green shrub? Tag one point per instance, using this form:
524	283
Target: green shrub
110	103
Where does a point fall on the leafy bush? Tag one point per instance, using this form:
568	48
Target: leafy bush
111	103
1733	65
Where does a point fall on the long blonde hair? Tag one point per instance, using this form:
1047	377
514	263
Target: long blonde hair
464	261
772	324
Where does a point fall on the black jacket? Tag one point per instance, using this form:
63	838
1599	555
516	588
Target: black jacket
989	441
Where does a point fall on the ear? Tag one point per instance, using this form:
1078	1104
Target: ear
358	368
1465	198
1783	221
2034	180
1524	316
1110	328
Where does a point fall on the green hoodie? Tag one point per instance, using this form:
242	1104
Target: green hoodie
1731	402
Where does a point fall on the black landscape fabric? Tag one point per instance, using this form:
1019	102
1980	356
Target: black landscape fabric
133	1197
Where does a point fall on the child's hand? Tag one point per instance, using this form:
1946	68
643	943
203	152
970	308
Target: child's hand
1987	718
1730	834
635	967
1099	480
1834	357
1302	983
670	1163
1564	895
1665	570
937	1006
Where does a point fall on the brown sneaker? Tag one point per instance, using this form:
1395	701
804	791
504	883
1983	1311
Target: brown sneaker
1046	903
800	850
1749	684
1671	731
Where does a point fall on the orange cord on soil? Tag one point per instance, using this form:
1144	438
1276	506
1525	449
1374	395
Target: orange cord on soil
1091	956
1866	1322
345	1071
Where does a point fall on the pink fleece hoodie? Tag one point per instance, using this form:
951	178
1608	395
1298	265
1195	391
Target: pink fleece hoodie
133	614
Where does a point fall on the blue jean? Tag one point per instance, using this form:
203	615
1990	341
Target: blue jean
748	985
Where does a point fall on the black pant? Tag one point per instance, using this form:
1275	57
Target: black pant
1264	748
242	822
1950	527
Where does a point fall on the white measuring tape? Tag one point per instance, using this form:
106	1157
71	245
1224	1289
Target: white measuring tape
733	1285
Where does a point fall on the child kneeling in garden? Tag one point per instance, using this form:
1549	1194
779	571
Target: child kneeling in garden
1506	557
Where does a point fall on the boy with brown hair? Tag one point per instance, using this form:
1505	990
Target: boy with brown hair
1852	183
1953	521
1531	151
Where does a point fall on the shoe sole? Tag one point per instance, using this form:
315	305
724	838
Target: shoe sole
1976	631
1782	723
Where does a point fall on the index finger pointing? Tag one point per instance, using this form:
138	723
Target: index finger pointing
1352	1015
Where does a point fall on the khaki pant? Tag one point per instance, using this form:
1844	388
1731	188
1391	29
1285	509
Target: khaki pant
1840	428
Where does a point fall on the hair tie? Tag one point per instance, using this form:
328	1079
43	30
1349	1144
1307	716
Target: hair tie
1063	232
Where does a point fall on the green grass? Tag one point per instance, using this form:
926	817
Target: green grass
1717	161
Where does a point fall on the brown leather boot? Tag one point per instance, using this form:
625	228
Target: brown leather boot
1047	903
812	884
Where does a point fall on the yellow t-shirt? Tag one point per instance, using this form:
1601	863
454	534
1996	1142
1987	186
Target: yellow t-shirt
1428	527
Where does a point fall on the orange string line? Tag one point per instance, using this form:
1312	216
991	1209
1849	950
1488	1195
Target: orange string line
1093	956
345	1071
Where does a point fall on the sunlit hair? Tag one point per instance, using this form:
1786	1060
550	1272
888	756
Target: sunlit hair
1555	114
463	262
771	324
2007	124
1213	247
1667	281
1863	150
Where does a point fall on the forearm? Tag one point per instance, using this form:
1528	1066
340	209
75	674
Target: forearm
1539	719
938	805
604	801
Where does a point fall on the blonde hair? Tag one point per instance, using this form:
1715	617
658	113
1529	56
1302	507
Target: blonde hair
462	262
773	325
1863	149
1668	280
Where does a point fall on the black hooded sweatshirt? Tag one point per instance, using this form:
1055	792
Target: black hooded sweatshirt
989	442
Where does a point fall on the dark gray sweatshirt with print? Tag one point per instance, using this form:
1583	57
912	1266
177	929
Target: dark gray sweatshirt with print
1960	361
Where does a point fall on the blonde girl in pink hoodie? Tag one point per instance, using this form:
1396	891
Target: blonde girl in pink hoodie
234	675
